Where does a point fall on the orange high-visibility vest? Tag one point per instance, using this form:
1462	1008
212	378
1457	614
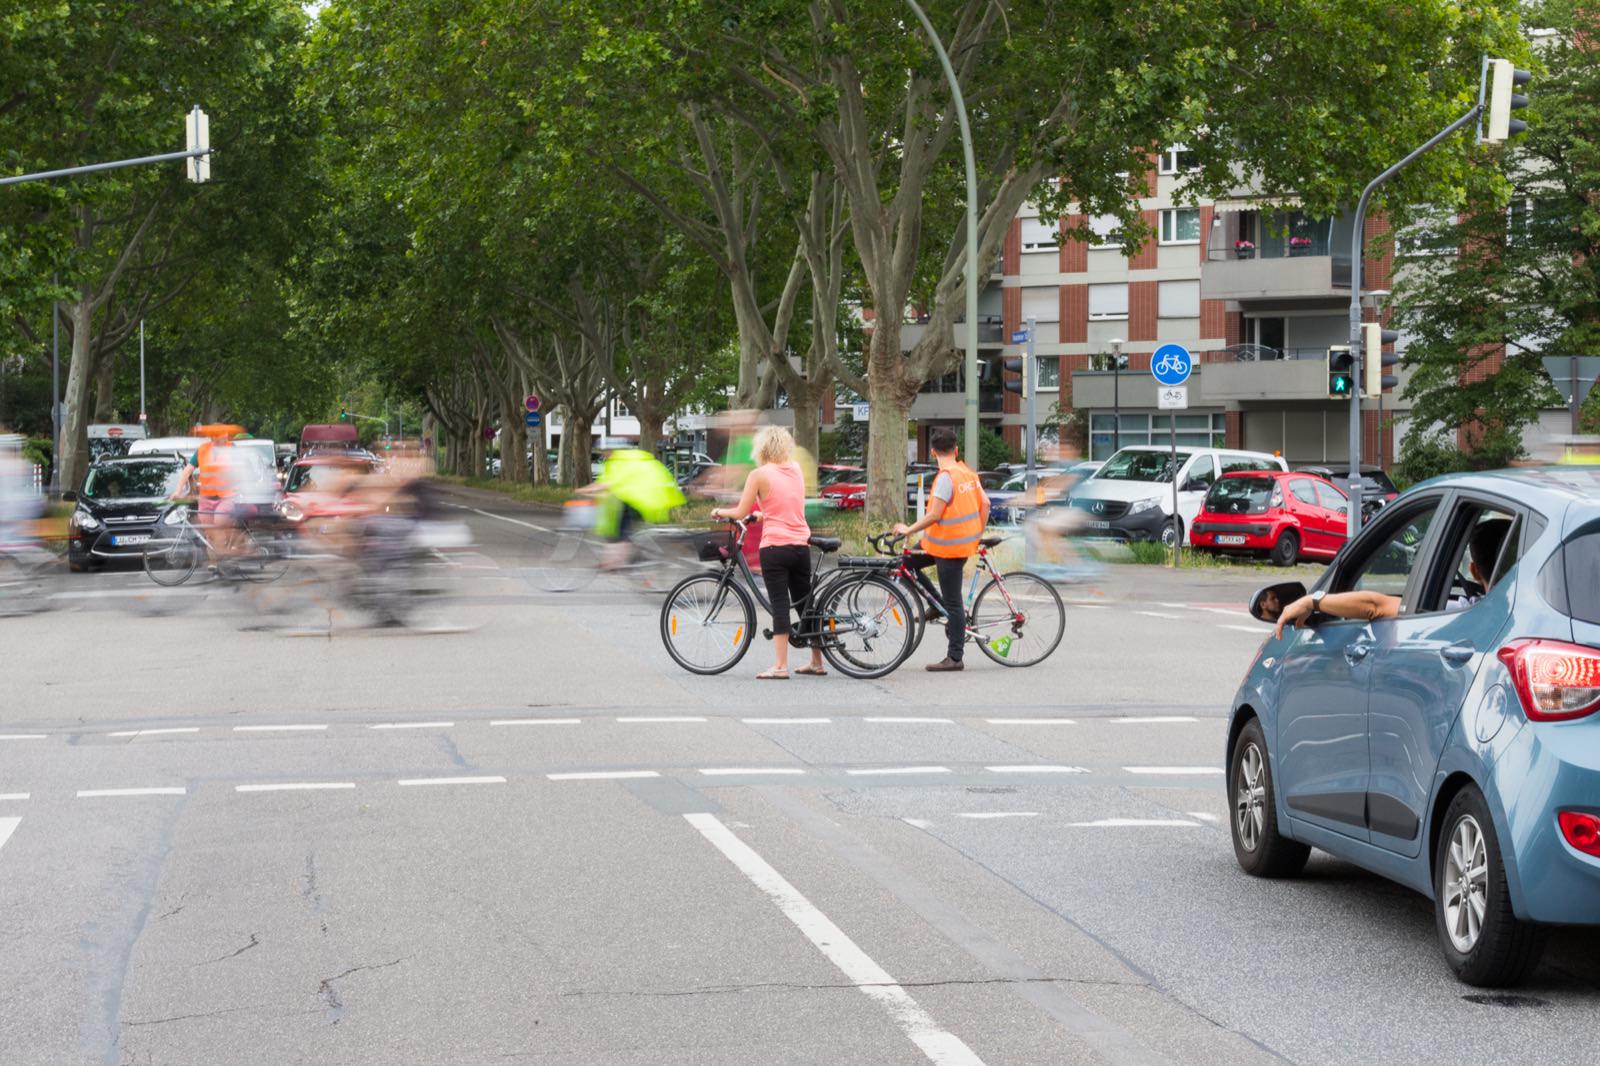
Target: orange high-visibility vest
956	534
215	479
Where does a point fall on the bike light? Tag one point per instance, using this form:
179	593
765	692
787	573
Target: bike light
1582	831
1555	681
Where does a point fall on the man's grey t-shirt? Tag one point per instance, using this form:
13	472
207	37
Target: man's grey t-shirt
944	488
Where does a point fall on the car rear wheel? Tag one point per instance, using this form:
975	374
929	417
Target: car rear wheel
1172	533
1261	849
1484	942
1286	552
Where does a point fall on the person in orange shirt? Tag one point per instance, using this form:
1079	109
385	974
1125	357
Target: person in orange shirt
958	510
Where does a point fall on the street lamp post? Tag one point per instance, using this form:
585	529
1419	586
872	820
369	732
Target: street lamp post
1116	394
971	405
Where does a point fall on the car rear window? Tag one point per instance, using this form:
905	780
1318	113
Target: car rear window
1240	495
1581	555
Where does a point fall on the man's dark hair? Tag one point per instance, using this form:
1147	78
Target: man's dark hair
943	441
1487	537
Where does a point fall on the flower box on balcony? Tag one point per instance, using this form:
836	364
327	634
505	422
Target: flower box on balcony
1299	245
1244	249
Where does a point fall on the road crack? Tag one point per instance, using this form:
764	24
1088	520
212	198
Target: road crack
255	942
189	1017
330	995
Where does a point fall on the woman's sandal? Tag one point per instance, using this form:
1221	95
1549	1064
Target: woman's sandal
811	671
773	675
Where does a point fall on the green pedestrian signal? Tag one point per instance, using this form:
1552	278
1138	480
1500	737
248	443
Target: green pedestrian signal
1339	386
1341	373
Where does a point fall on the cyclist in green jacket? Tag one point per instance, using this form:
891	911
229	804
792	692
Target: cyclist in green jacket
635	488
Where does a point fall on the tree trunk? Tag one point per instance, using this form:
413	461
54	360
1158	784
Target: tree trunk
807	419
104	379
575	448
650	423
75	398
541	458
890	398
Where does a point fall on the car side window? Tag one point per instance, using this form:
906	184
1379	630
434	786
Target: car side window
1329	497
1301	489
1482	543
1202	474
1385	564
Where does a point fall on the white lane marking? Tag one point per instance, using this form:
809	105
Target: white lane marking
536	721
734	771
1181	606
1153	719
154	732
412	725
999	814
917	823
1257	631
1179	771
1157	614
939	1045
22	736
1203	816
1036	769
503	518
1086	603
93	793
1133	823
786	721
646	718
7	827
603	775
910	719
1030	721
14	795
296	786
899	770
453	780
279	728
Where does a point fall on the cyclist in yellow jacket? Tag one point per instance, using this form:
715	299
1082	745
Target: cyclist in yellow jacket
635	488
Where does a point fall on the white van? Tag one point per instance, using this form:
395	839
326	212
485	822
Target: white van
109	440
1130	496
182	447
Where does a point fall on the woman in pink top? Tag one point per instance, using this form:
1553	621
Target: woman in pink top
777	488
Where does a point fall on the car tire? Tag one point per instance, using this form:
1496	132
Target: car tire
1172	533
1503	949
1262	850
78	566
1286	550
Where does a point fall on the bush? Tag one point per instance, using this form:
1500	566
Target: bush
993	451
1425	456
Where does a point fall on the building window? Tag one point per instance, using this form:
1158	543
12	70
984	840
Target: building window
1180	225
1194	431
1177	160
1178	299
1049	371
1039	235
1107	301
1104	228
1042	303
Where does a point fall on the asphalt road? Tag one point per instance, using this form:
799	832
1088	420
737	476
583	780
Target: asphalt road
531	837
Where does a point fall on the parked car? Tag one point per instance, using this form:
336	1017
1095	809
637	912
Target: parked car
183	447
119	508
844	486
1375	481
317	484
328	435
1130	496
1452	744
1002	496
1284	516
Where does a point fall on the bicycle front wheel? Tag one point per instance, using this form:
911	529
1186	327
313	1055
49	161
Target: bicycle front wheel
867	628
1019	619
172	562
568	564
707	623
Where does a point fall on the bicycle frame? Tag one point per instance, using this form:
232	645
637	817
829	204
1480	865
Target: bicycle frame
917	579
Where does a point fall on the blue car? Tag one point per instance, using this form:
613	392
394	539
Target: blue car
1452	743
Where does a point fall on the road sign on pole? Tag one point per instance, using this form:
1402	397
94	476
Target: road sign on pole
531	403
533	419
1172	398
1171	364
1019	336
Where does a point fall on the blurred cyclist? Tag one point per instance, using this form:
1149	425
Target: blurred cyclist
635	488
1051	523
19	504
216	475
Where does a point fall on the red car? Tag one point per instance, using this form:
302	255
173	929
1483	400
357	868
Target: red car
843	485
1284	514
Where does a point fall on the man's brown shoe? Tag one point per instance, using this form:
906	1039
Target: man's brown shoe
943	665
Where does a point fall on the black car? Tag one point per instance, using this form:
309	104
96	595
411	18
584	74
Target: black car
120	508
1376	488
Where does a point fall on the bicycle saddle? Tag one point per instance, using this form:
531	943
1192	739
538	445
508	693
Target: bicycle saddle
825	544
991	540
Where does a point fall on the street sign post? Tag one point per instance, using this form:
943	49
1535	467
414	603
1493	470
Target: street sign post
533	419
1172	398
1171	364
531	404
1019	336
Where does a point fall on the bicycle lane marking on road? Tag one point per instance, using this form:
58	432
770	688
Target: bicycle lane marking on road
503	518
939	1045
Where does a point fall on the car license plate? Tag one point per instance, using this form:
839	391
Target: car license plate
133	538
1099	525
1230	538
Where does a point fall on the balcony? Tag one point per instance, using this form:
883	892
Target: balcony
1275	255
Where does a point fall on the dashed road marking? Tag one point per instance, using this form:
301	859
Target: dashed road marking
603	775
984	815
1203	816
22	736
489	780
297	786
878	770
908	720
1031	721
1036	769
734	771
503	518
937	1044
786	721
7	827
154	732
279	728
96	793
1258	631
1158	614
536	721
413	725
1176	771
1132	823
14	795
1153	719
643	719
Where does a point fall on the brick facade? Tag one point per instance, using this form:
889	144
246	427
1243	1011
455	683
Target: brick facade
1147	257
1142	311
1074	313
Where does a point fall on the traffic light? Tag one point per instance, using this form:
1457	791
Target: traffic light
344	414
1376	361
1341	372
1017	377
197	128
1504	80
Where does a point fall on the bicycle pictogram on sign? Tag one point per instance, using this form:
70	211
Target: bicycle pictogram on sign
1171	364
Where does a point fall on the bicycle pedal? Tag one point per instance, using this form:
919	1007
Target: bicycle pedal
767	634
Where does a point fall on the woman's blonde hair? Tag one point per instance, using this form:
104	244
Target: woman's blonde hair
772	444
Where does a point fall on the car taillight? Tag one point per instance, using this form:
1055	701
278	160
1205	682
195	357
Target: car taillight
1556	681
1582	831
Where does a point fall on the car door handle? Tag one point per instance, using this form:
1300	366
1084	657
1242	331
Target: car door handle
1354	653
1457	654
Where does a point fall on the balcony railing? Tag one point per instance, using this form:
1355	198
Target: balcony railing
1259	353
1262	234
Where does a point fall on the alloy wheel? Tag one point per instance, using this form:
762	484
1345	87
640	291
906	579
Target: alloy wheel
1466	884
1250	798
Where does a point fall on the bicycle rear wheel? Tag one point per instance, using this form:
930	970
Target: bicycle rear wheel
1025	630
173	562
569	564
867	626
707	624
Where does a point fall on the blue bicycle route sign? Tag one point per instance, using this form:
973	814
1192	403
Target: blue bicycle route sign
1171	364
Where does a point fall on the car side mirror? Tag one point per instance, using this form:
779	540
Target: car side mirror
1268	603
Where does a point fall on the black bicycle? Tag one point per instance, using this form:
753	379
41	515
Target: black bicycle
859	618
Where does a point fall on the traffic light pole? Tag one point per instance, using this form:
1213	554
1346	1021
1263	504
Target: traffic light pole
1358	251
1030	385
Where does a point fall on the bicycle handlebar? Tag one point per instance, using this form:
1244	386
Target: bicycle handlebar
884	543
